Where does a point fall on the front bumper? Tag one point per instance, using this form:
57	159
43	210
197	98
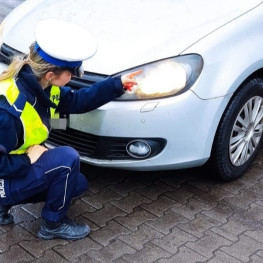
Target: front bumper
102	147
186	123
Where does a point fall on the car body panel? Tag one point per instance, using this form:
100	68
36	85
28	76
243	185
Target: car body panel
127	34
230	54
2	67
190	131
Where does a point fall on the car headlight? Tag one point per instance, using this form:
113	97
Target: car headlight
165	78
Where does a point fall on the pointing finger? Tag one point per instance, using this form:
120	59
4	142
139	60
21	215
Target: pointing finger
135	73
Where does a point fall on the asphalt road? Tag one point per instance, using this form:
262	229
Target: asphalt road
174	216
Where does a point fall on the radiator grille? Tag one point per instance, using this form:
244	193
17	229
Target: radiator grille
84	143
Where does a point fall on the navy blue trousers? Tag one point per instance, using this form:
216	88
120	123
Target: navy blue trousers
55	179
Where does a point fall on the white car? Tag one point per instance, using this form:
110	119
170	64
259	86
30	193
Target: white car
199	98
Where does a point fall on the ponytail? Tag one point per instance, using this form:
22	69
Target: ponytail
14	68
38	65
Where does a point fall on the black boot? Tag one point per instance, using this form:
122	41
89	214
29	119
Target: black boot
5	217
66	229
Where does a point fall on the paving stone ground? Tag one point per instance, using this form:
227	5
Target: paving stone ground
156	217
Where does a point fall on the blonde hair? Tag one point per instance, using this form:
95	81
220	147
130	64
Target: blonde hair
38	65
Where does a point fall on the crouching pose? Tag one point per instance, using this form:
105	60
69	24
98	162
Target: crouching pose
32	91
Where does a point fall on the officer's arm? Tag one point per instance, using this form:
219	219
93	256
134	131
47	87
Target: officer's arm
10	165
87	99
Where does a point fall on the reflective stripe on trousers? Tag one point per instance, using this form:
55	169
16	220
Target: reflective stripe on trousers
56	173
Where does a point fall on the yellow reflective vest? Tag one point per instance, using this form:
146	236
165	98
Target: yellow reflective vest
35	132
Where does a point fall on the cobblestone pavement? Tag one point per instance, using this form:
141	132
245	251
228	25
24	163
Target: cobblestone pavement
162	217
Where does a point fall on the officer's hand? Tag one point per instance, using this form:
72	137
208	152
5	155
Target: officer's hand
128	80
35	151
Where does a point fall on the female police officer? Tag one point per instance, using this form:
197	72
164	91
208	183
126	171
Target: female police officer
28	171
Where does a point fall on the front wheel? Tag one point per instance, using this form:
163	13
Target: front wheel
239	134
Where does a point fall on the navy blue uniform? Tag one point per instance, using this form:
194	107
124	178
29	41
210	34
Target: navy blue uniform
56	173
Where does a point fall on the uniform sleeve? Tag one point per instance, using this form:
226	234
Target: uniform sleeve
11	165
87	99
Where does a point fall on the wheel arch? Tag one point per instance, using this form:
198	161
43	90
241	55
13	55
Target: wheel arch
221	132
255	75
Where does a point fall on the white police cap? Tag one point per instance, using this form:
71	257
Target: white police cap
64	44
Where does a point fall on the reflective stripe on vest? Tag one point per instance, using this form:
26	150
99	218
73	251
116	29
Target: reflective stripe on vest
54	97
35	132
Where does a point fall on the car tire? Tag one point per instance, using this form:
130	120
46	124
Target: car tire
239	135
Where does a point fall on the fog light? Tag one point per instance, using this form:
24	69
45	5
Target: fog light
138	149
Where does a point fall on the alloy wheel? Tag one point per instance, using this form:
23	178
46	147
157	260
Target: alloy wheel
247	131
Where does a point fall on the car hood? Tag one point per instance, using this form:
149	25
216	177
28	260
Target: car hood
129	33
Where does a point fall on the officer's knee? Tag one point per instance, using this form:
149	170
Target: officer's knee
69	153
